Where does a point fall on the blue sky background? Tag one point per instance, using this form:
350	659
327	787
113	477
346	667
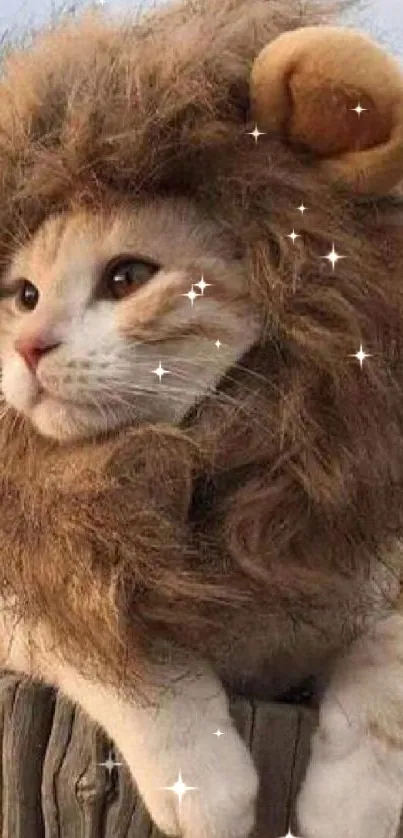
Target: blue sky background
383	18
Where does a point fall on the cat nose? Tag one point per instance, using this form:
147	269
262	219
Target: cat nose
32	350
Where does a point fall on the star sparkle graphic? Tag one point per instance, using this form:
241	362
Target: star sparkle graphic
289	835
256	133
192	295
179	788
160	371
293	236
218	344
361	355
202	285
110	763
333	257
302	208
358	109
218	733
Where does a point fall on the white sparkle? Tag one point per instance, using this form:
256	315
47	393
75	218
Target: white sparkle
191	294
333	257
218	733
289	835
301	208
361	355
179	788
256	133
202	285
160	371
110	763
358	109
293	236
218	344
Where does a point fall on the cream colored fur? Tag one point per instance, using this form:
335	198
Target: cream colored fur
354	783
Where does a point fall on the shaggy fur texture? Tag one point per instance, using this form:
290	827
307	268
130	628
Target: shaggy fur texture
271	516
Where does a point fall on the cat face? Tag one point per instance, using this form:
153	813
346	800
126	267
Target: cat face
95	307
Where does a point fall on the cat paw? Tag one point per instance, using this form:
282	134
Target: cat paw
349	796
221	803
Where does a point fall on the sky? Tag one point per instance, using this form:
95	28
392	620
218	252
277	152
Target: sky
382	18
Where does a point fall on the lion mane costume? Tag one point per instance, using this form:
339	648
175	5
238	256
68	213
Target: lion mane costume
264	531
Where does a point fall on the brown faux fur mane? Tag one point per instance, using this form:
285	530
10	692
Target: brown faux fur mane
279	491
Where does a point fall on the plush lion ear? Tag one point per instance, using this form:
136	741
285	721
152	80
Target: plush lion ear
309	86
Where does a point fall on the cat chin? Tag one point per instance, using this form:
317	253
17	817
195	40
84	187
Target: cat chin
64	421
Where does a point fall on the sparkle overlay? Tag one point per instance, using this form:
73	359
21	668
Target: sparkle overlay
302	208
160	371
358	109
361	355
293	236
202	285
179	788
256	133
192	295
333	257
110	763
218	733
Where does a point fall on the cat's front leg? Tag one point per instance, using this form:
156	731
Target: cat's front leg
174	742
168	738
354	783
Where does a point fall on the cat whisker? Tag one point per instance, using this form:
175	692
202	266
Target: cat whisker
177	394
107	409
3	412
167	385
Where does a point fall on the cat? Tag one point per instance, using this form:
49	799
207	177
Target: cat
89	307
93	303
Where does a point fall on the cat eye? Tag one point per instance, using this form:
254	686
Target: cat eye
26	295
124	276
